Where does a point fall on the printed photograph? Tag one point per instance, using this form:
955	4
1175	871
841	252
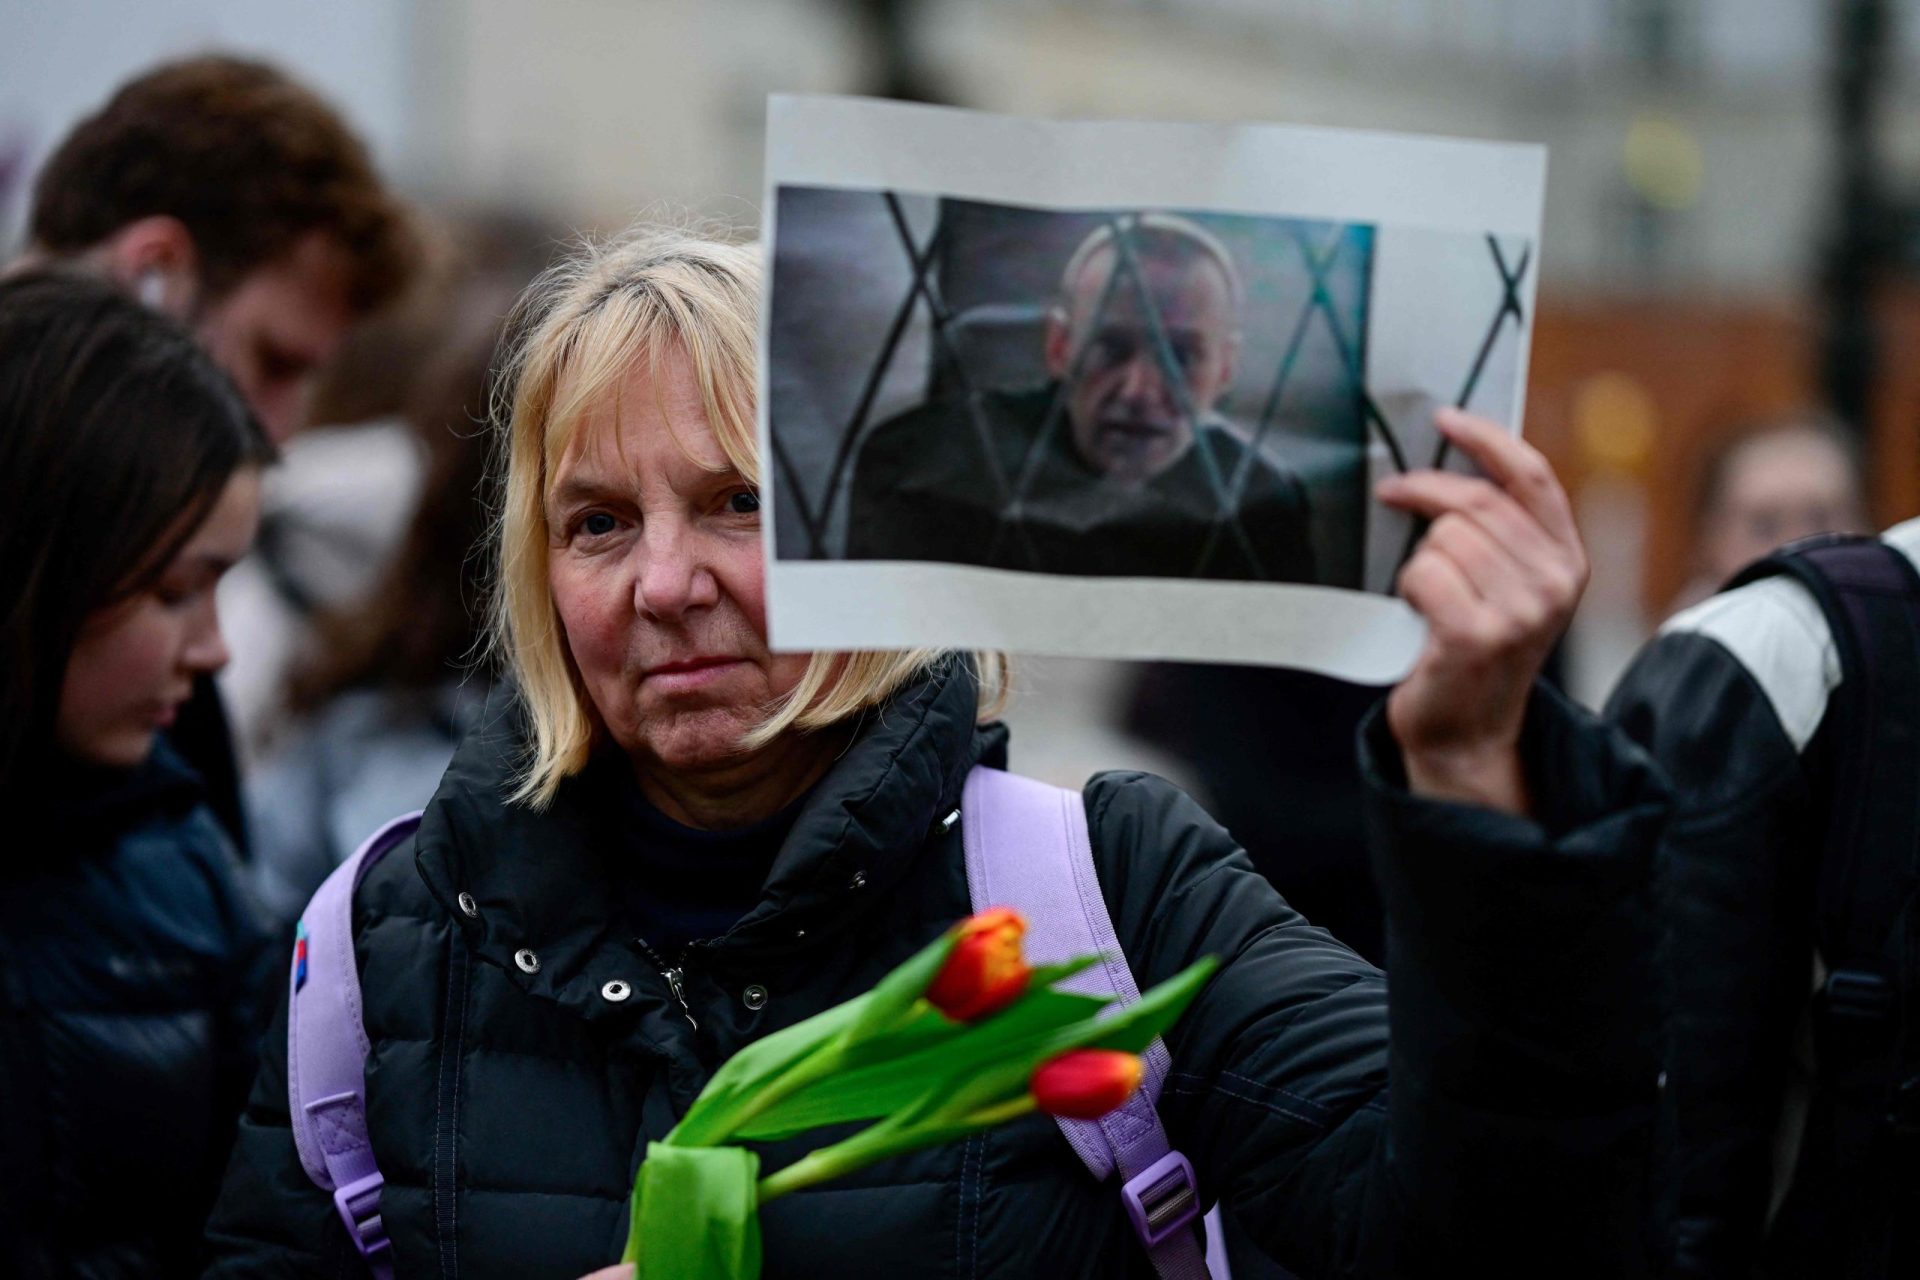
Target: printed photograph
1122	390
1131	392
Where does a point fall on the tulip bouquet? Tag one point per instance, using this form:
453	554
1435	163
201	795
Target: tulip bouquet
962	1036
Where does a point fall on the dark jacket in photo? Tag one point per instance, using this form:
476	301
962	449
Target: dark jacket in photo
924	489
509	1110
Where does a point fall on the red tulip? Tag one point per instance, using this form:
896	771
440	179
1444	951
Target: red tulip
1085	1084
985	971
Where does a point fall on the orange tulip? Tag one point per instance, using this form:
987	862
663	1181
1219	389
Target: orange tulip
985	972
1085	1084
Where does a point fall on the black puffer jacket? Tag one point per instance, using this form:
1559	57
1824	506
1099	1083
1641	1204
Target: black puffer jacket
508	1110
1733	698
128	961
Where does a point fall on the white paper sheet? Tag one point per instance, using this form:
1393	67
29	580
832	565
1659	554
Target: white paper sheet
1427	252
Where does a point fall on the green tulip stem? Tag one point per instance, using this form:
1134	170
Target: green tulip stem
882	1140
1012	1109
717	1129
713	1120
815	1166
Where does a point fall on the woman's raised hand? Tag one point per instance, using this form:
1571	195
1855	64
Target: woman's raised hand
1497	578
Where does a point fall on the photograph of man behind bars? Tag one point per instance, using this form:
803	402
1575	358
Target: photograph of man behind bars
1142	392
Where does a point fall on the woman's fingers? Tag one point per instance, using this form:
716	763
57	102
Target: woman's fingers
1519	503
1556	567
1497	577
1521	602
1515	466
1441	592
1433	494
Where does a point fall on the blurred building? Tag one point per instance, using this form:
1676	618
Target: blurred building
1690	140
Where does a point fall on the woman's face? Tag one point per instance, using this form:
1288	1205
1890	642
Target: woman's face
136	660
656	569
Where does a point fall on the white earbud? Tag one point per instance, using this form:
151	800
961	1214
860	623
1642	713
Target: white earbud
151	289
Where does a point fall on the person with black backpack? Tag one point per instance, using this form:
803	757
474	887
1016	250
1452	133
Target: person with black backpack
1786	711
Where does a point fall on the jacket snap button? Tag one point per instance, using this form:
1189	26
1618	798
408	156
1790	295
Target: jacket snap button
616	991
469	906
754	997
528	962
859	880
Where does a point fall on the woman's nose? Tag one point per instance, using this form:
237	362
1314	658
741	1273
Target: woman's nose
672	576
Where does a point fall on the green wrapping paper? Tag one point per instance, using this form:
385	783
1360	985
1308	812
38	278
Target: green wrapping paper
696	1214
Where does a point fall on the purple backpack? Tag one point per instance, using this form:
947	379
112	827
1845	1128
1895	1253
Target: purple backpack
1026	846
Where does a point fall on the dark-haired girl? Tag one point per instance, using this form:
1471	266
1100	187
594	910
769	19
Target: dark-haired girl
129	482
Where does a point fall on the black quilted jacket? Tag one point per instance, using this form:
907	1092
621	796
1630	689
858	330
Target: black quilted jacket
1734	700
128	1031
508	1110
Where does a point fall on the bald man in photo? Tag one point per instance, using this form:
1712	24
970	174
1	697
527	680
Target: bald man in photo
1108	460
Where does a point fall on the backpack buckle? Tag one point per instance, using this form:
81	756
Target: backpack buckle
1162	1198
1859	995
359	1206
1906	1110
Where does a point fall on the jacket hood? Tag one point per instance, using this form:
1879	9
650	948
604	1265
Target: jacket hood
542	880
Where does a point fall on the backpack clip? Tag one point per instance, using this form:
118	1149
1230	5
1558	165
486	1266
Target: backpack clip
1858	995
1906	1110
1162	1198
359	1206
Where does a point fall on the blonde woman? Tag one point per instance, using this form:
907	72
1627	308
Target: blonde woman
668	840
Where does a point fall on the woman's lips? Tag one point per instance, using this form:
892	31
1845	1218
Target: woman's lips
688	674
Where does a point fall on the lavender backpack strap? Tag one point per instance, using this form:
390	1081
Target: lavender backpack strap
327	1051
1027	847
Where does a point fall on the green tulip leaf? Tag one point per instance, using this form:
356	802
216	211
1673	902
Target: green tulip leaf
885	1084
1129	1029
1047	975
744	1075
927	1026
987	1064
896	993
886	1056
887	1023
977	1092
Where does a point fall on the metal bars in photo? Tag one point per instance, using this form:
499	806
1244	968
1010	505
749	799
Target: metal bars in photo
1318	247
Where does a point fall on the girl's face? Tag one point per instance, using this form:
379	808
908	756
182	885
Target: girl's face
136	660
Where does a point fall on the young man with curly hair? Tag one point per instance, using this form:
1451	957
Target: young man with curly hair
229	196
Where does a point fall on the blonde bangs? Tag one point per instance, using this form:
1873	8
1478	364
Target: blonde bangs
579	330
